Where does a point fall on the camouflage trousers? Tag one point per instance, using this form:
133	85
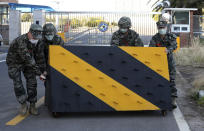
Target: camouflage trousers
172	75
31	84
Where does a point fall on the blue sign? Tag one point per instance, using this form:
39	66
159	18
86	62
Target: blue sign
103	27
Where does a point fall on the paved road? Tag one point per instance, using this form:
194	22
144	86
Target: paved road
99	38
126	121
3	49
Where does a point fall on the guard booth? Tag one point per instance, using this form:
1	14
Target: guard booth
182	24
10	18
107	79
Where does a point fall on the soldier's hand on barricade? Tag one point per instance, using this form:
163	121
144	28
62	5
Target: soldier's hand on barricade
167	51
45	73
42	77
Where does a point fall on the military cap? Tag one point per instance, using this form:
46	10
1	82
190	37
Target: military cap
124	22
161	24
36	31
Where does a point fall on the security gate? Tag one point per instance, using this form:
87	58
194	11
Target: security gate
83	27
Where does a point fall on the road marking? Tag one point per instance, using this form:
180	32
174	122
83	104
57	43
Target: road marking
19	118
180	120
2	61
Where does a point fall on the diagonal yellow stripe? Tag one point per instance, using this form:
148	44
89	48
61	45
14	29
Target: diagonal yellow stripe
19	118
153	57
96	82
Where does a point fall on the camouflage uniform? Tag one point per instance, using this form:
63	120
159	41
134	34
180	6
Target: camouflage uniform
56	40
23	56
169	25
169	41
49	29
128	38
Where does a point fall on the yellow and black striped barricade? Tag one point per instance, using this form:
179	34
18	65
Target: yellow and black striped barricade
103	78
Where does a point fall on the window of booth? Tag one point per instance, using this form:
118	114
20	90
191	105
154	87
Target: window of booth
181	17
181	21
4	15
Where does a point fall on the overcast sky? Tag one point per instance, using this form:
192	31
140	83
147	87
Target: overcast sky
93	5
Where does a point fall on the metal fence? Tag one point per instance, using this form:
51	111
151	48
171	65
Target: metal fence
82	27
198	25
26	21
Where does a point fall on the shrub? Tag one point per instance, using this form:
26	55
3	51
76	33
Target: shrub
114	23
26	17
193	55
75	23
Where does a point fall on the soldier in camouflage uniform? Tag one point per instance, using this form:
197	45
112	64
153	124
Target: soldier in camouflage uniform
168	40
125	36
166	17
25	55
50	37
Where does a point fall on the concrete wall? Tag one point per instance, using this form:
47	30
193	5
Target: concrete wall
14	24
39	17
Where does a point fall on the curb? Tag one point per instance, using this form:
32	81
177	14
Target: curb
183	104
183	124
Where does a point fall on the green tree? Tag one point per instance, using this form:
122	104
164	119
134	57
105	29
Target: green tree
76	23
181	4
26	17
188	4
95	21
52	20
114	23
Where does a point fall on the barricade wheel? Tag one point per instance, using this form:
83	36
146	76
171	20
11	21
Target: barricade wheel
55	114
164	112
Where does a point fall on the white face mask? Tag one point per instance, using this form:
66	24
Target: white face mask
123	30
33	41
49	37
162	31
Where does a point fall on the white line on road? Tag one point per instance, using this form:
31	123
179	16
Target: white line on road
180	120
2	57
2	61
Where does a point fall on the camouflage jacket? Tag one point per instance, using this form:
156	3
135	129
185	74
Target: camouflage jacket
23	53
169	41
57	40
131	38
